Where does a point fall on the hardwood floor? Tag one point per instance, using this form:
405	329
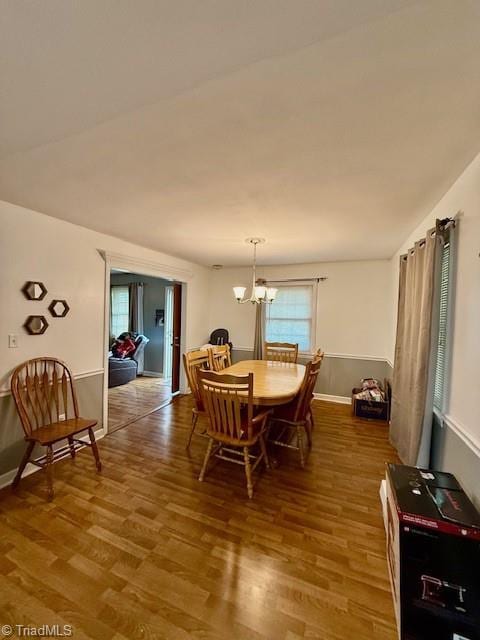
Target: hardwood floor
138	397
144	550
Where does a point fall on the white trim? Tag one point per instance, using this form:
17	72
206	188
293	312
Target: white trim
7	478
389	362
351	356
146	267
461	431
76	376
346	356
87	374
142	267
152	374
328	398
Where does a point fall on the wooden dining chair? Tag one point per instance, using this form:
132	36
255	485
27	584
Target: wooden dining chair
290	422
280	351
219	357
319	355
47	405
192	362
233	427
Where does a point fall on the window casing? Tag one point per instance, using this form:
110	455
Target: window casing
119	309
291	317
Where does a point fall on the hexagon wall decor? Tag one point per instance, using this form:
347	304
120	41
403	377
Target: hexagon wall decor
36	325
34	290
58	308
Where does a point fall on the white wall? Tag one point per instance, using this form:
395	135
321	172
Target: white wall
65	257
353	305
464	195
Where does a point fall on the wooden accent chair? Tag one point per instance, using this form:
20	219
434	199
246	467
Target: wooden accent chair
295	418
280	351
193	361
46	402
219	357
233	427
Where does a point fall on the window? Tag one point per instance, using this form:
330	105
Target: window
441	366
290	318
119	314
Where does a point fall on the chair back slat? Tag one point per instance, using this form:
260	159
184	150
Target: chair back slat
219	357
228	401
193	361
41	395
280	351
56	399
305	394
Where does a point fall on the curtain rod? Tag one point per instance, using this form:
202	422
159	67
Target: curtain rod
319	279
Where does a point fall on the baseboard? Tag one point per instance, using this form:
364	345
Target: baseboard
328	398
7	478
152	374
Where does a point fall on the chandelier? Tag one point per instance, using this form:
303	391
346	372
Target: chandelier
260	293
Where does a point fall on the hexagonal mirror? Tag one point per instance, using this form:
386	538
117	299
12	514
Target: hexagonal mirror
34	290
58	308
36	325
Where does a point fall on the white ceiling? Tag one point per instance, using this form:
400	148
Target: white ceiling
330	127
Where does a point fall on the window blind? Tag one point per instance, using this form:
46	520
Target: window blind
439	387
290	317
119	296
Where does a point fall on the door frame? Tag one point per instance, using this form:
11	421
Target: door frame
145	268
167	357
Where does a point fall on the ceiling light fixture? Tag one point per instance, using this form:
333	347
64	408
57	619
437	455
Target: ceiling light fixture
260	293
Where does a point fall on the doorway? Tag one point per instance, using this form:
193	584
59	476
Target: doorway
141	359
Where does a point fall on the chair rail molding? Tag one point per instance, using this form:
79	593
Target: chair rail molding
345	356
462	432
6	391
145	267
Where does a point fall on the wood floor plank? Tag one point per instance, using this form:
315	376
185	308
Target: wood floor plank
143	550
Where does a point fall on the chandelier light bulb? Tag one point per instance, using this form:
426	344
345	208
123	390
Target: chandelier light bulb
239	292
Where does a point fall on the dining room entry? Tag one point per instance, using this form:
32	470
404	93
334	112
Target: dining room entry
144	344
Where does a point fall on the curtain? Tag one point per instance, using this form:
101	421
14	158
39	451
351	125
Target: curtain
259	332
416	349
136	317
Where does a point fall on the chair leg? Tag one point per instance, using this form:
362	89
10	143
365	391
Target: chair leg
23	464
248	471
300	445
264	451
72	447
206	459
192	430
49	471
308	431
93	444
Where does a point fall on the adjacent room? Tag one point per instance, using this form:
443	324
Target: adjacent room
240	311
140	346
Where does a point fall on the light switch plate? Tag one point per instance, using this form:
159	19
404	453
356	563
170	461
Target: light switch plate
12	340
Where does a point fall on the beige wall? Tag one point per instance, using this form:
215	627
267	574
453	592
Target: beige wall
66	258
353	305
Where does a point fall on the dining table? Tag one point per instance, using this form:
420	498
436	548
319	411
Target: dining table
274	383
